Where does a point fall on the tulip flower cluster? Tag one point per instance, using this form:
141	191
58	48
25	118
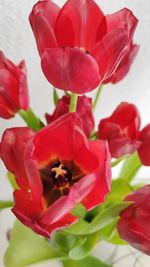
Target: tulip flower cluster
61	169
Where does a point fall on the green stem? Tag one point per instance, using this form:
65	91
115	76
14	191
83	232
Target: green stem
130	168
97	96
12	180
117	161
31	119
73	102
93	135
6	204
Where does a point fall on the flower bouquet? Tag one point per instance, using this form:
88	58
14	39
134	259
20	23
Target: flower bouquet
64	197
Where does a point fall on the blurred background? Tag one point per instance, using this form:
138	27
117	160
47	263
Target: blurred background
17	43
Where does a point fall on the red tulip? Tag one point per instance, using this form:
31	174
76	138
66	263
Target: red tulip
144	149
63	169
84	111
79	46
121	130
13	87
125	64
134	222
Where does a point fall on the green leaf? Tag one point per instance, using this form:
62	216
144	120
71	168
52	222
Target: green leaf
130	168
93	135
31	119
77	228
12	180
64	241
83	250
87	262
116	240
5	204
27	248
79	211
119	190
117	161
106	217
55	96
110	234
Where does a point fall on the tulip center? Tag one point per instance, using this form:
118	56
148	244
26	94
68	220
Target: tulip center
57	178
60	174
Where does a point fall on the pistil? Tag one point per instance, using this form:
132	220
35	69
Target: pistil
59	171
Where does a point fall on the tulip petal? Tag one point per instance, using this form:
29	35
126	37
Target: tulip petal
5	63
12	150
58	210
52	146
44	34
124	19
123	146
135	237
70	69
42	20
23	87
80	24
9	88
103	176
124	66
25	203
34	179
109	52
73	141
83	153
140	197
130	123
108	130
144	149
49	10
7	110
67	220
27	211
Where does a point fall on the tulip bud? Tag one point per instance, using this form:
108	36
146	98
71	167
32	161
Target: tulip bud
84	111
13	87
144	149
134	222
121	130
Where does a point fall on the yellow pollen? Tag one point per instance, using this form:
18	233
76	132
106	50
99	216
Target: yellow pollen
59	171
82	49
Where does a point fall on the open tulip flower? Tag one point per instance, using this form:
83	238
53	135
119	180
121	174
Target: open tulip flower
79	46
13	87
58	172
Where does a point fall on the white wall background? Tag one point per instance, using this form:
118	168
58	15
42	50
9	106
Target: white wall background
17	42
